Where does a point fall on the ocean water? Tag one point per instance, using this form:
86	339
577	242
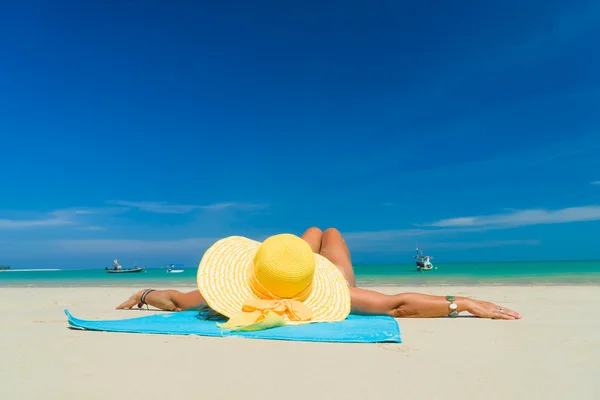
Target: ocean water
501	273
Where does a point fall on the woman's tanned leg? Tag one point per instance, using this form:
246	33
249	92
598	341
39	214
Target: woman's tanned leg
334	248
313	237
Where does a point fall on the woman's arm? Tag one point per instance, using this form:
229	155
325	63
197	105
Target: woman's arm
170	300
366	302
416	305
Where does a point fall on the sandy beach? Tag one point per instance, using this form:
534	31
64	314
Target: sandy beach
553	353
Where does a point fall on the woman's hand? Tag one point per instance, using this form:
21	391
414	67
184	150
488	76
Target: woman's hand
486	309
161	299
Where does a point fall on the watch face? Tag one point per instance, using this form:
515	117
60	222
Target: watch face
453	306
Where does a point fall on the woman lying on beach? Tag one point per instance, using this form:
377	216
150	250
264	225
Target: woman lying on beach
259	290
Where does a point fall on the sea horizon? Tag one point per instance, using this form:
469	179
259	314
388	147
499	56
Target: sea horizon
182	266
578	272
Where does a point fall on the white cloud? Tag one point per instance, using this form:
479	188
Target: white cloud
396	241
386	235
165	208
596	183
522	218
32	223
94	228
79	217
405	240
398	234
401	240
94	219
130	246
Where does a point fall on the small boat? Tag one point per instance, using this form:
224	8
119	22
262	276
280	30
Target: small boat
124	270
118	269
171	269
423	262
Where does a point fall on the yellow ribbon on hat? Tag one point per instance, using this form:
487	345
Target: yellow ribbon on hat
268	310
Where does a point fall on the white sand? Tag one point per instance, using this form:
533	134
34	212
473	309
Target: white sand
553	353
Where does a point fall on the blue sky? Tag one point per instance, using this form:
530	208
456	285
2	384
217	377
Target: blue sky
147	130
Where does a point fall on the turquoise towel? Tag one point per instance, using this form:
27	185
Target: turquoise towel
355	329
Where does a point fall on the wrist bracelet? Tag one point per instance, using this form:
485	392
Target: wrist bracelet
143	298
452	306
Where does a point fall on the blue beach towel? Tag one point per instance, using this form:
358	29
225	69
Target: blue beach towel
355	329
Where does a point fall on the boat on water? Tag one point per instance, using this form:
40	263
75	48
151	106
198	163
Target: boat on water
118	269
171	269
124	270
423	262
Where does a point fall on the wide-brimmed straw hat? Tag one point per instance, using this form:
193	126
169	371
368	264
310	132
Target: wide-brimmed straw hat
277	282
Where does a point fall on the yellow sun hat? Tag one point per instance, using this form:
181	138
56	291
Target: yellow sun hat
277	282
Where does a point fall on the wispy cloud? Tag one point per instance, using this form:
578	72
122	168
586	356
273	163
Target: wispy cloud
596	183
32	223
396	240
94	228
132	246
522	218
166	208
404	240
62	217
433	234
96	219
385	235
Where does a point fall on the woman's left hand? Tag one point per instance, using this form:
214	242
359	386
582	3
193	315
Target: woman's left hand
160	299
135	299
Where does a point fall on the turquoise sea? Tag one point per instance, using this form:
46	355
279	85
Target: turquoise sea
500	273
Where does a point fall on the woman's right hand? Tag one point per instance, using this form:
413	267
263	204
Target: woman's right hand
485	309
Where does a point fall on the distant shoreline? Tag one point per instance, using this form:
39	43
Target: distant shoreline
356	265
378	284
31	270
475	274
